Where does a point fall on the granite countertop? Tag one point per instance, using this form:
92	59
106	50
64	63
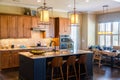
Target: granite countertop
27	48
53	54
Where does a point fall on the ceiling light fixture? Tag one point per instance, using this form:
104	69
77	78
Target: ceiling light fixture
44	14
74	16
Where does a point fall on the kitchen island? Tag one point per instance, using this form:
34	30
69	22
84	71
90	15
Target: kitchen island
34	67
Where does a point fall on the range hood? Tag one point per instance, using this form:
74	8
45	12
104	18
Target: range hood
39	28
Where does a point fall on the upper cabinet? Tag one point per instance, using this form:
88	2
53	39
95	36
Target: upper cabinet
8	27
20	26
27	26
34	22
3	26
24	26
12	26
62	26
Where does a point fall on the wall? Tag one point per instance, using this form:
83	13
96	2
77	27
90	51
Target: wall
91	29
35	36
84	31
11	9
88	30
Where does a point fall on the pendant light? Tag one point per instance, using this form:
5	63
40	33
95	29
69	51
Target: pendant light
44	14
74	16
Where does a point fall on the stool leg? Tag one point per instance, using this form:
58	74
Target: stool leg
86	70
61	72
67	71
75	71
52	73
79	72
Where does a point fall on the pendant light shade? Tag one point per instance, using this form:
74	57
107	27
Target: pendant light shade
44	14
74	19
74	16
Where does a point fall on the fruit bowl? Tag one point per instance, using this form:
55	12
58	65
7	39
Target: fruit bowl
37	52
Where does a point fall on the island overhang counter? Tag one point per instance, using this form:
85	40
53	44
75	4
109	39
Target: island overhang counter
34	67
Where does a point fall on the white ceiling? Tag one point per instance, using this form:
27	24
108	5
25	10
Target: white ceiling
62	5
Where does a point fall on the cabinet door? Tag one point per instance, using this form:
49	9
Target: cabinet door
20	26
27	26
61	25
12	27
5	59
15	59
67	28
4	26
34	22
64	26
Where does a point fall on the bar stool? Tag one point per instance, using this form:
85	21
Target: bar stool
57	62
82	60
71	62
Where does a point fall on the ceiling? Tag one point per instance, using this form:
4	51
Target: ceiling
67	5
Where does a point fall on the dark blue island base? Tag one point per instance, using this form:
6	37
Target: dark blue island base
38	69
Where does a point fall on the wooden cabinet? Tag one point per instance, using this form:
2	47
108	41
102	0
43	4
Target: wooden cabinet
15	59
4	59
3	26
34	22
62	26
27	26
8	28
24	26
12	27
9	59
20	27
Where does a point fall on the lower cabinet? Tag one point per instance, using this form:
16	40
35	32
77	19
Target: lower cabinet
9	59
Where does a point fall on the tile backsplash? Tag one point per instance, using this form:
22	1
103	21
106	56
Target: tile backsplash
35	38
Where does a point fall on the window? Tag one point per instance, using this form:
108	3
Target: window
109	34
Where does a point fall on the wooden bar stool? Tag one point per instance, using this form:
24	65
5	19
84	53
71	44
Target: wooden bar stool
82	60
71	62
57	62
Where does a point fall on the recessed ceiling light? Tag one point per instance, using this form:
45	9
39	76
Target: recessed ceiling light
87	0
117	0
38	0
69	5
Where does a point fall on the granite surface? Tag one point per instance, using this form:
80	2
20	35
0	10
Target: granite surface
53	54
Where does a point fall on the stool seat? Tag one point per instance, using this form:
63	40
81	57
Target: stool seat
71	62
57	62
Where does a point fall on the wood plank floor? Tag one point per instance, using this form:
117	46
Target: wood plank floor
103	73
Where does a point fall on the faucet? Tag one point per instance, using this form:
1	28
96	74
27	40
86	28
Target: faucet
54	45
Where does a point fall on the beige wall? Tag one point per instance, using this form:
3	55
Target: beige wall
84	31
88	30
91	29
11	9
20	11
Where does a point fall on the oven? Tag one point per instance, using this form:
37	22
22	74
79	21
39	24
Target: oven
66	42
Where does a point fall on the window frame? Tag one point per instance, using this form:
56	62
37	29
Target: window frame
111	35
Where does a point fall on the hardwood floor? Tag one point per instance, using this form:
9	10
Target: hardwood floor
103	73
106	73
